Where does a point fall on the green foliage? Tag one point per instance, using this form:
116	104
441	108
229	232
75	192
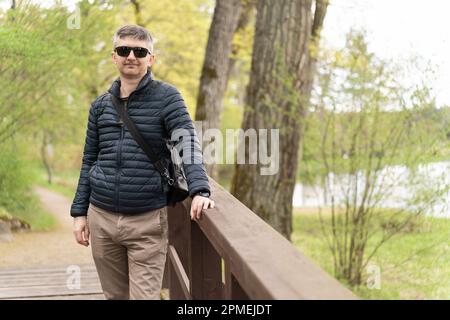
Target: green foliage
16	178
94	70
32	212
37	52
4	214
64	181
414	266
363	113
364	121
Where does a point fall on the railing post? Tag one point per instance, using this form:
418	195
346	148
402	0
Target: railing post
179	225
175	290
205	269
233	289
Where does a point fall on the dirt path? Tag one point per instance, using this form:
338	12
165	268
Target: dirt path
45	249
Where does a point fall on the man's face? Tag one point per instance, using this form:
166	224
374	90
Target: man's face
132	66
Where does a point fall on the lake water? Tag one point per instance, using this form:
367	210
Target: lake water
398	184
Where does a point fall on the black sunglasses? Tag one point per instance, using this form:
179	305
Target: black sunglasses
138	52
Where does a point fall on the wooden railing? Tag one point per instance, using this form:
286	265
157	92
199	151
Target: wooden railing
231	253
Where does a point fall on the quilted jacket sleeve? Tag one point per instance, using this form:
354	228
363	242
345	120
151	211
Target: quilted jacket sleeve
81	201
179	125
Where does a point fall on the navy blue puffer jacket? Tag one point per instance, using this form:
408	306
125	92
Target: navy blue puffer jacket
116	174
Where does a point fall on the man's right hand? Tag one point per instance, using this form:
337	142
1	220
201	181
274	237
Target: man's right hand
81	230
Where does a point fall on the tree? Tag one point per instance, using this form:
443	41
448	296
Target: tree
229	17
283	68
372	133
95	70
49	73
137	12
33	65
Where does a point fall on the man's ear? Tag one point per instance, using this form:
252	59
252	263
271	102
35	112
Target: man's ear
152	59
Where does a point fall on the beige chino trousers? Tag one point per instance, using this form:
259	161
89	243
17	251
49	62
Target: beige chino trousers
129	252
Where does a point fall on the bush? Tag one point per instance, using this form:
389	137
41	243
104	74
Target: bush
15	179
17	199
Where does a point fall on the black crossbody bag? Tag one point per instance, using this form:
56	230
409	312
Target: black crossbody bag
174	175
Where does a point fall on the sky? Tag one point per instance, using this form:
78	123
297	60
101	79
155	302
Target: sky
397	29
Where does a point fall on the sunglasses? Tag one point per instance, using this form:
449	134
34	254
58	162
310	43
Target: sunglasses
138	52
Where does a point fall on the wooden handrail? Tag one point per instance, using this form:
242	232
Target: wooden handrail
231	253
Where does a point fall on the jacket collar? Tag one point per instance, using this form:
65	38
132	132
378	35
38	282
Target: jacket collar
115	87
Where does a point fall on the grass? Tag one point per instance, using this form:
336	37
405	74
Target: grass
64	182
18	200
414	264
31	211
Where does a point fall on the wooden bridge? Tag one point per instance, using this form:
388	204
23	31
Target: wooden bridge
230	254
50	283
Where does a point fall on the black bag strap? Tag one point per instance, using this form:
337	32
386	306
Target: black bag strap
134	131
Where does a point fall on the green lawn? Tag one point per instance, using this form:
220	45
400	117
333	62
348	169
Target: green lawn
414	265
31	211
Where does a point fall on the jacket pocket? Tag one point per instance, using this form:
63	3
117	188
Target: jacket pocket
92	168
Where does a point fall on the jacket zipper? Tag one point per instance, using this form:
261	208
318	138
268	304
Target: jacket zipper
119	155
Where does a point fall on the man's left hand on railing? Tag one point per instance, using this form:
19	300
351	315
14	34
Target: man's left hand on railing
198	204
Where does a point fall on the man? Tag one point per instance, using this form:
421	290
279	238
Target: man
120	202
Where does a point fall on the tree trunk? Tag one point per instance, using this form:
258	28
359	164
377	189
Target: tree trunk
137	12
45	156
244	19
13	7
216	67
277	96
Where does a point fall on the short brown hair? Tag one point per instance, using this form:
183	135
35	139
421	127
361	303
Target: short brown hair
135	32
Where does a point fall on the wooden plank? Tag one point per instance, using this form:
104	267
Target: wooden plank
233	290
88	296
38	275
50	287
49	282
205	269
44	275
53	270
179	231
180	273
12	293
35	278
175	290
